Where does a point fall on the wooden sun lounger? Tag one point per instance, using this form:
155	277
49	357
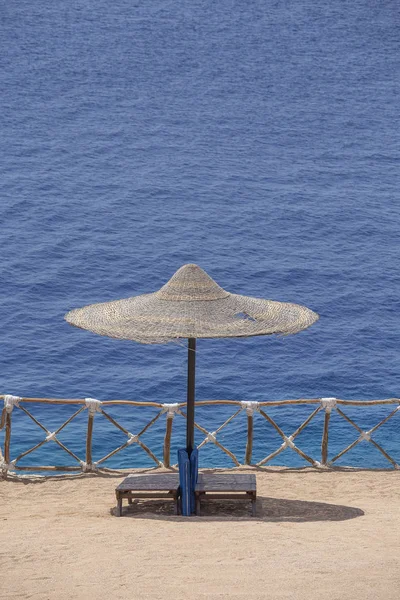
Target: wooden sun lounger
231	486
156	485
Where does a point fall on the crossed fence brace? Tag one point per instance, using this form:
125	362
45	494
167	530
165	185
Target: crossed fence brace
326	405
171	410
94	406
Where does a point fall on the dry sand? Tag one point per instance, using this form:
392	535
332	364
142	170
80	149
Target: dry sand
318	535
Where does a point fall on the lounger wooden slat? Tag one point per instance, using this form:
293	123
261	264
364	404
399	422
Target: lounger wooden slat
231	486
157	485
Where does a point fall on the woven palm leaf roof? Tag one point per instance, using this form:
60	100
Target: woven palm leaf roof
191	305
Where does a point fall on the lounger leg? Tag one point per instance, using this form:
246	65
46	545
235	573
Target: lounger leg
253	505
119	507
176	505
198	505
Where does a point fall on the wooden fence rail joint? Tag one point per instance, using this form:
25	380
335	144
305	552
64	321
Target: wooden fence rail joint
328	404
4	467
170	409
250	407
93	405
88	467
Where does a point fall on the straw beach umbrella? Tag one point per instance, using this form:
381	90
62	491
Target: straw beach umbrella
191	305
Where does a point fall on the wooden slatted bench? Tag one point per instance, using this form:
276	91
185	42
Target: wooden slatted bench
157	485
231	486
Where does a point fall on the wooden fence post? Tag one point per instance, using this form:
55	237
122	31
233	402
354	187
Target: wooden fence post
249	445
325	437
93	406
7	442
171	410
167	442
250	407
89	437
328	404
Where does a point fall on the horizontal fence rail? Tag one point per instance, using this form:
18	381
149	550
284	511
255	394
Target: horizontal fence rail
169	411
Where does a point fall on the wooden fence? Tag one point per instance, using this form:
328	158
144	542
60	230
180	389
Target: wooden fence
169	412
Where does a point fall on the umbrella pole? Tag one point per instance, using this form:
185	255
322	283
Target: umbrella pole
190	394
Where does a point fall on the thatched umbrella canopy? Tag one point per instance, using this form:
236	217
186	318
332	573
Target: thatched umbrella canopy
191	305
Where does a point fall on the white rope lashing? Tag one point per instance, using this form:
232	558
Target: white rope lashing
93	405
211	437
132	439
288	442
328	404
7	466
250	406
365	435
10	401
86	467
170	409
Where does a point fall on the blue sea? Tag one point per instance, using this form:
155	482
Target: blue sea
256	139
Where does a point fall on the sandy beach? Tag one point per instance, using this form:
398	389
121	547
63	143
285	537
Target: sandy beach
317	535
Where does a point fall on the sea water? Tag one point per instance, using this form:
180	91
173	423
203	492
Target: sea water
256	139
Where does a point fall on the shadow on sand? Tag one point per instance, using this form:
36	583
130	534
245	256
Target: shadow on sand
268	510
